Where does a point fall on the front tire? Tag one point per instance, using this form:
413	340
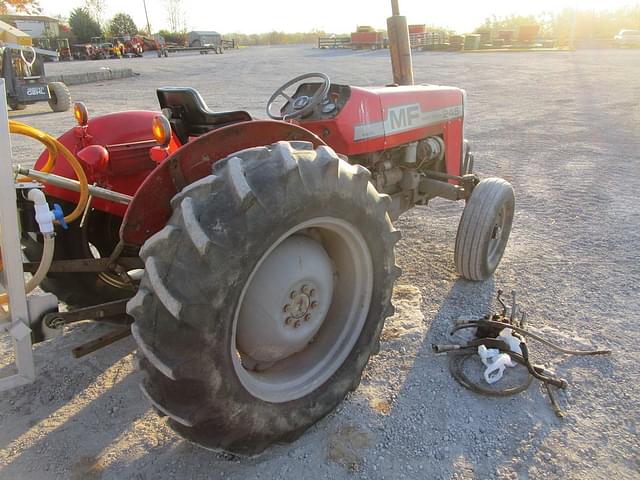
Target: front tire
60	97
484	229
15	106
232	367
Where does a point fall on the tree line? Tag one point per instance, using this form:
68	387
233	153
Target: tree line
88	21
84	26
570	23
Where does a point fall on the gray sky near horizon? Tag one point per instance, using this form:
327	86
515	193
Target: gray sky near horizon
337	16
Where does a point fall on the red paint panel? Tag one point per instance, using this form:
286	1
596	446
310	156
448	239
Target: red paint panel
453	147
112	129
367	38
376	119
363	107
150	209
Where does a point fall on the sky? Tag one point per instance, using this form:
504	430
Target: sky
336	16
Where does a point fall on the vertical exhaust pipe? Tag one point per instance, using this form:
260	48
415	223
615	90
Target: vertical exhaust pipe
399	46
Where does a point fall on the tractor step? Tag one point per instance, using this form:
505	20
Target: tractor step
101	341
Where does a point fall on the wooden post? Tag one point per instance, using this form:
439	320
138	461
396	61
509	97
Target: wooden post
399	46
395	8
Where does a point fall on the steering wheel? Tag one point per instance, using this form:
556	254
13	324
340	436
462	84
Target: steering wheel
303	104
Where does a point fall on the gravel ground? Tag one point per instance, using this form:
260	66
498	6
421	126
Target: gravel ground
564	128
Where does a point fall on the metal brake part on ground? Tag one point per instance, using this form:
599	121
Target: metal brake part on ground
490	334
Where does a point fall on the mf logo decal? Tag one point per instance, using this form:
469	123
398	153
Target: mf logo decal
403	118
31	91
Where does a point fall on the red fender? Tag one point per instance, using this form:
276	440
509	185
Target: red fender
150	209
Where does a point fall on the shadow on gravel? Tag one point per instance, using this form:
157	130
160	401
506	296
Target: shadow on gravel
463	433
28	115
57	382
73	410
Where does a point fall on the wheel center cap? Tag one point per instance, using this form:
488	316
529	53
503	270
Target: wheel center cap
286	302
299	305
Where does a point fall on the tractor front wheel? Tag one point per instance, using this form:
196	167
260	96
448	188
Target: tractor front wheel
484	229
264	296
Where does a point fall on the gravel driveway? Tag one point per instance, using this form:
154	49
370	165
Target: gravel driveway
564	129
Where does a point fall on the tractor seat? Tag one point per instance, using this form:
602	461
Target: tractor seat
190	116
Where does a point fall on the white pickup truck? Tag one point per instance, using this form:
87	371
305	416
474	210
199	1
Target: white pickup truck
627	38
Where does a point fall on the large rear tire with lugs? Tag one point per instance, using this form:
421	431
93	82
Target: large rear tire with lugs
264	296
484	229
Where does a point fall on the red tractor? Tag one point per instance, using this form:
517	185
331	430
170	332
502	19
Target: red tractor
256	257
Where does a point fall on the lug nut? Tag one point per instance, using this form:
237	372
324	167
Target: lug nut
312	292
305	290
286	308
288	320
313	305
307	317
297	324
292	295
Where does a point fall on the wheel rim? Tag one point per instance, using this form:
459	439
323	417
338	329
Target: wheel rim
302	310
496	241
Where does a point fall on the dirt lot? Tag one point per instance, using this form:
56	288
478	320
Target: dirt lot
564	128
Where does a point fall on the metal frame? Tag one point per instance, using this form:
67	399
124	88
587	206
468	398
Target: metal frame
17	322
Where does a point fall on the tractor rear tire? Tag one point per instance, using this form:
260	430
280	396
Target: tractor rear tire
484	229
60	97
206	267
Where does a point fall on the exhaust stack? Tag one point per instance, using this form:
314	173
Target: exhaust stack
399	46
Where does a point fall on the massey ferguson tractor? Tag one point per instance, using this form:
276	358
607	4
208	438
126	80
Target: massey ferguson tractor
252	260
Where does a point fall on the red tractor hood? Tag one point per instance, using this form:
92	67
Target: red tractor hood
379	118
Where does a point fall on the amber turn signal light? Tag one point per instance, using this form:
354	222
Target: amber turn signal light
80	113
161	130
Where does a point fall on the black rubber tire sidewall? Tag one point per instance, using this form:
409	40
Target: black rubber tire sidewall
60	97
474	231
15	106
226	415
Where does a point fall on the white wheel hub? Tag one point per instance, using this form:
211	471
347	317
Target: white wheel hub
286	301
320	270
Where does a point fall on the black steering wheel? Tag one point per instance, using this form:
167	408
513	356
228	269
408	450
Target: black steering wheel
302	105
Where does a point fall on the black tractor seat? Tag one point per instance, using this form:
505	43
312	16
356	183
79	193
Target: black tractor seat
190	116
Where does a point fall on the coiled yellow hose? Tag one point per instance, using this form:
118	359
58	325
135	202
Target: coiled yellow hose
54	147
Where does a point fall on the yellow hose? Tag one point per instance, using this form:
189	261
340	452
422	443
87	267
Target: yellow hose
55	147
22	129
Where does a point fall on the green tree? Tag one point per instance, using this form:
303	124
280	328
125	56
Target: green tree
510	22
83	26
570	24
122	24
179	38
591	24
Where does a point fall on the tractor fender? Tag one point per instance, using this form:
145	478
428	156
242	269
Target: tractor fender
130	136
150	209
